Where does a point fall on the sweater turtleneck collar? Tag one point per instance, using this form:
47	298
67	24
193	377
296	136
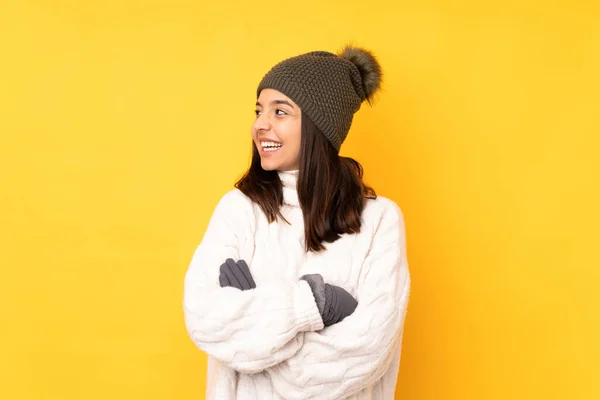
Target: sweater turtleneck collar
289	179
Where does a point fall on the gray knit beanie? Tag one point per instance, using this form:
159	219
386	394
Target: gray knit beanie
329	88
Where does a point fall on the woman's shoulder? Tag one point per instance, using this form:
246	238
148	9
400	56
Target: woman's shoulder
235	197
382	217
381	208
234	203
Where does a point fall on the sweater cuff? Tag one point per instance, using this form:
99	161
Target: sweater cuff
306	308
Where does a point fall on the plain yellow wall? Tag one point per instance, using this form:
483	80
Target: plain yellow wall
123	122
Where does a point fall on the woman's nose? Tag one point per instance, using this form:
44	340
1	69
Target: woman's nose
261	122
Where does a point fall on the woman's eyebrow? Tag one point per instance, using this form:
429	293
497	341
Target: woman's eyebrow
277	102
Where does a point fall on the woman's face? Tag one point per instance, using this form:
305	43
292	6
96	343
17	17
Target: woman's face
276	131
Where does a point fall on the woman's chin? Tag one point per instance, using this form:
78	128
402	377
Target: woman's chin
267	165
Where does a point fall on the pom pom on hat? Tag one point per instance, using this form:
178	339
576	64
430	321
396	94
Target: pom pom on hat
368	66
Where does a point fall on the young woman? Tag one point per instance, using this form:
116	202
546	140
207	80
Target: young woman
300	286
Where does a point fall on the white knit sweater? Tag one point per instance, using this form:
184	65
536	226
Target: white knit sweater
269	342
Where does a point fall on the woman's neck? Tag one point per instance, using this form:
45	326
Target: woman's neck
289	180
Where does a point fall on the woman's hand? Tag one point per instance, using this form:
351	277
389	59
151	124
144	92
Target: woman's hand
338	304
334	303
236	274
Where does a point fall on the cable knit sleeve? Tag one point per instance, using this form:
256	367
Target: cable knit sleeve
345	358
247	330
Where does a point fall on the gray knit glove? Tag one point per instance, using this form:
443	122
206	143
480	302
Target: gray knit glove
333	302
236	274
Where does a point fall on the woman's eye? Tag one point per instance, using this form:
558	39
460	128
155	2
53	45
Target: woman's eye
277	112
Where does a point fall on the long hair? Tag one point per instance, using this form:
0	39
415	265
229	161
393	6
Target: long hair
331	190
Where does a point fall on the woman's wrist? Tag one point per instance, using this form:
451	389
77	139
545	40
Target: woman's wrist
317	285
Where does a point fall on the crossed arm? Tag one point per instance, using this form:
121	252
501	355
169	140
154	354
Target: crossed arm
278	329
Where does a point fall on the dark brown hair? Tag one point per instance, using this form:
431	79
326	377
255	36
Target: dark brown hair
331	190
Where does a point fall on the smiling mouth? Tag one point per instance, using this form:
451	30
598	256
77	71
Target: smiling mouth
270	146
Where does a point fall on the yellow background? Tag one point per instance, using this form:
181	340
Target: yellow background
123	122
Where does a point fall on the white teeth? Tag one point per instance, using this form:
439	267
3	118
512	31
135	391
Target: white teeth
270	145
